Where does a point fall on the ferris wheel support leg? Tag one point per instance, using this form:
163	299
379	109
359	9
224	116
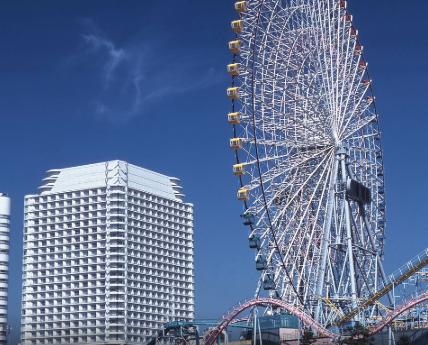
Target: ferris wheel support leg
326	239
343	154
379	261
254	326
372	241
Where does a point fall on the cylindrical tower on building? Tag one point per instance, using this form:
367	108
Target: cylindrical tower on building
4	262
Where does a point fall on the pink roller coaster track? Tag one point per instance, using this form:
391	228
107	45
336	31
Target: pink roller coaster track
398	311
211	337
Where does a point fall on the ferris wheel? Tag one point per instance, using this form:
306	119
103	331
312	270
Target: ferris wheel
308	154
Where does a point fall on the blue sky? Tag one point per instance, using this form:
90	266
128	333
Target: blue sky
88	81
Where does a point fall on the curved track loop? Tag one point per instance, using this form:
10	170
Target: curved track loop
211	337
398	311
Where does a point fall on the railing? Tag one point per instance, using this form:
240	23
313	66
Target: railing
392	280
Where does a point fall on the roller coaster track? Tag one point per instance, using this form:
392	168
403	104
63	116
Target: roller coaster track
211	337
382	306
331	305
398	311
394	279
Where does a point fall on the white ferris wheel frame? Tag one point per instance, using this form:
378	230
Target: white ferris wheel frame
308	130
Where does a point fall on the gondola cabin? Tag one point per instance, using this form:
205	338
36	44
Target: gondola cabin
233	92
239	169
367	82
233	68
237	25
347	18
362	66
234	118
236	143
268	284
358	50
254	242
243	194
248	218
240	6
261	264
235	46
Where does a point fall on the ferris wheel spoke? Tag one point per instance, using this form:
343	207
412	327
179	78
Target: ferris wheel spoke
357	127
299	189
311	251
357	94
298	244
325	57
296	162
354	84
336	63
299	68
315	127
296	231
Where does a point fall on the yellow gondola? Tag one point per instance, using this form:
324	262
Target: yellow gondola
234	118
233	92
239	169
236	143
237	25
233	68
243	194
235	46
240	6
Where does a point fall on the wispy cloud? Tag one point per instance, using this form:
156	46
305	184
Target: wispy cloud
133	75
113	58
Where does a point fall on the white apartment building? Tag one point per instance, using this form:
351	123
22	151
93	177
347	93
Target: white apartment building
4	263
108	256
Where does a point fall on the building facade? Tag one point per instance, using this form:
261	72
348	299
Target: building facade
4	263
108	256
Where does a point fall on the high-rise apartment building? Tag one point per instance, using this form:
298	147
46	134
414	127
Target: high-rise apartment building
108	256
4	263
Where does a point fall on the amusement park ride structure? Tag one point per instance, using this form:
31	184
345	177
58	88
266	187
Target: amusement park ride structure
310	164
